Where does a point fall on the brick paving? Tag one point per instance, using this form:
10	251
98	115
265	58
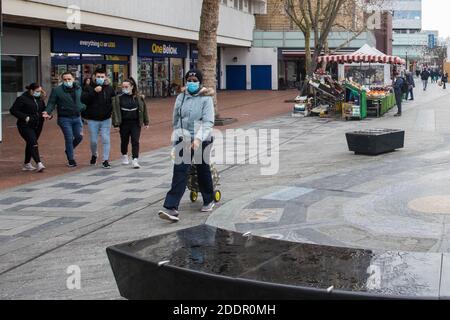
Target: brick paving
245	106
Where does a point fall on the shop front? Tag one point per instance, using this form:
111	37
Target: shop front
81	53
161	67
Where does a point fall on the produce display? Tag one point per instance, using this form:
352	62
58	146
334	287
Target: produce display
378	92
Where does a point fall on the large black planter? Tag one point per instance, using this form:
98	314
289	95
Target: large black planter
206	263
375	141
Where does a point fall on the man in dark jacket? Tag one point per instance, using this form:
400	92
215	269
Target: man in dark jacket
98	99
411	85
398	90
425	75
66	99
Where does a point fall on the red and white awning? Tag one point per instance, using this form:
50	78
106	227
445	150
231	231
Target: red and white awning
361	56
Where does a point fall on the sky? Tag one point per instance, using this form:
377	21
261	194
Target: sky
436	16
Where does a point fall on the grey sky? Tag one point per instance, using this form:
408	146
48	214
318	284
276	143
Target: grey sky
436	16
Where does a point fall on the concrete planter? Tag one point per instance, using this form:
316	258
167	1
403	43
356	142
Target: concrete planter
375	142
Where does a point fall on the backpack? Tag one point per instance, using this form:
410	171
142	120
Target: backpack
405	86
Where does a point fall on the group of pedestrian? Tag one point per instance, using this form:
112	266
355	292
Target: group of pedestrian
404	84
435	76
97	103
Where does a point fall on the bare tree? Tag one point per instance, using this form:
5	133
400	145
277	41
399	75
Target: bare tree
316	19
207	45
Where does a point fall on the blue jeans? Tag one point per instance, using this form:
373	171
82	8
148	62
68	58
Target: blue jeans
72	128
104	128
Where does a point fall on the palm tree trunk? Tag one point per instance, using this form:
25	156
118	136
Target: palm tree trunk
207	45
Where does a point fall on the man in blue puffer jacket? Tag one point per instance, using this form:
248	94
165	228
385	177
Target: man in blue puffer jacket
193	123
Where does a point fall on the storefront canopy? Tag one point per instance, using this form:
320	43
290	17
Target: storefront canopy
366	54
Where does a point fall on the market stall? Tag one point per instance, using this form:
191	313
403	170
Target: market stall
366	74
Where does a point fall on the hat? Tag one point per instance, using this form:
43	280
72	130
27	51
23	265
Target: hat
195	73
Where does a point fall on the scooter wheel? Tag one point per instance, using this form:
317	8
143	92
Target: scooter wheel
217	196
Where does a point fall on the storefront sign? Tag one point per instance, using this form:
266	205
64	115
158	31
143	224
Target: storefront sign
161	49
83	42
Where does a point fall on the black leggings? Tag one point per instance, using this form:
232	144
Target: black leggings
31	137
130	129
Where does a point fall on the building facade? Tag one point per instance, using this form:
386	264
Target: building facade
284	42
152	41
409	40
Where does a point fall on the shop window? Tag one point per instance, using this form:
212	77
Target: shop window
161	77
176	75
145	74
17	73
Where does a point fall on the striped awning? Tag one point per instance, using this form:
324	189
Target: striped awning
361	58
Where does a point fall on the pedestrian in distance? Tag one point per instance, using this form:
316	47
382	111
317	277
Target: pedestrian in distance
129	113
411	86
398	85
418	73
193	123
445	80
28	109
425	75
66	99
97	97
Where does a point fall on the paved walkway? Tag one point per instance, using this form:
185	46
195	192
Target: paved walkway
322	194
245	106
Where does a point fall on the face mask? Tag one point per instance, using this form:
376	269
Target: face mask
68	84
126	91
100	81
193	87
37	94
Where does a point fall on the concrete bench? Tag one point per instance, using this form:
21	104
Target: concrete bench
206	263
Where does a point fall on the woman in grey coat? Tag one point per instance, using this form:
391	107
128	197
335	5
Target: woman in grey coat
193	122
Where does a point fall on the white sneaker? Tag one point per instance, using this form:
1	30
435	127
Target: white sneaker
136	164
40	167
125	160
209	208
28	167
169	215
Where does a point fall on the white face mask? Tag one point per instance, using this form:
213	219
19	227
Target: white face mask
68	84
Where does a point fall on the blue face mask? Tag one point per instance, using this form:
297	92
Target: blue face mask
37	94
68	84
126	91
100	81
193	87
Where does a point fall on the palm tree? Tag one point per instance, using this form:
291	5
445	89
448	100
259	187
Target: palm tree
207	45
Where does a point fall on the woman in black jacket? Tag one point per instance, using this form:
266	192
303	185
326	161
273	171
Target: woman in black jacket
28	109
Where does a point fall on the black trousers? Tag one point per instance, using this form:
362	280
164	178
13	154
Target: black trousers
31	136
399	100
180	179
130	129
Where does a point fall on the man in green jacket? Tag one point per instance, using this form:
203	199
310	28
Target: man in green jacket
66	99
